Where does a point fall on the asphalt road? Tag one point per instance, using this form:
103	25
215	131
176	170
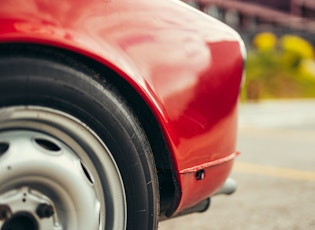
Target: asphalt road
275	173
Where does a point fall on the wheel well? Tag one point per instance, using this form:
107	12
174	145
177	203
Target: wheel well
167	179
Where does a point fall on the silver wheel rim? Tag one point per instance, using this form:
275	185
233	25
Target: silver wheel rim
50	164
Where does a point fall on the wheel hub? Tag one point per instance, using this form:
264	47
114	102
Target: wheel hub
50	170
21	221
48	181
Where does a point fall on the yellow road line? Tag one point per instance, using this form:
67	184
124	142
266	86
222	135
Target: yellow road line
274	171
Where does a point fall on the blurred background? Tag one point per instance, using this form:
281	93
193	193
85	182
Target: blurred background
276	170
279	36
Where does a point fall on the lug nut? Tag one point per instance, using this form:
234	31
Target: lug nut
44	211
5	212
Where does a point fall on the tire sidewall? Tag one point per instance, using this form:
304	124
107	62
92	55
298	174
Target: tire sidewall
38	82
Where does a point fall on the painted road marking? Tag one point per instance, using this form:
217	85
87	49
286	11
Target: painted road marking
267	170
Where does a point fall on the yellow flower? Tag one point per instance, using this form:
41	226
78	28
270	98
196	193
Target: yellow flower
297	45
265	41
307	67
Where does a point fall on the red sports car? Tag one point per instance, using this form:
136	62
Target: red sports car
114	114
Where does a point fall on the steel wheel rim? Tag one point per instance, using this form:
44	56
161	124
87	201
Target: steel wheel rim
55	169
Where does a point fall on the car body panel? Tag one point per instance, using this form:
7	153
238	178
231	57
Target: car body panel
187	67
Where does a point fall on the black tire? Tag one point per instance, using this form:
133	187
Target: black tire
65	86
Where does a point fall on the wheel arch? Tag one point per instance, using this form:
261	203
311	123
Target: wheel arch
168	183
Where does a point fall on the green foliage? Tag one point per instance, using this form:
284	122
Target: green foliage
281	69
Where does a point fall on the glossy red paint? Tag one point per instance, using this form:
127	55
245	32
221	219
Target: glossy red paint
186	65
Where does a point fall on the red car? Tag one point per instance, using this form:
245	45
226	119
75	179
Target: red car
114	114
